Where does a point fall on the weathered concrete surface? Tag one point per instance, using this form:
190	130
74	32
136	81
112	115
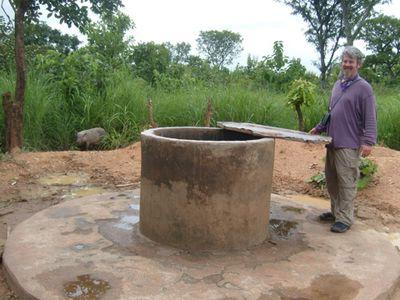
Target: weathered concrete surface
91	246
205	188
274	132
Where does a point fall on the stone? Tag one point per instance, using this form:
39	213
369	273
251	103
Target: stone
88	139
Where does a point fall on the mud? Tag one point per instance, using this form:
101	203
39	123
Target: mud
86	288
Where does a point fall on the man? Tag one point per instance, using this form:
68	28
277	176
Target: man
352	126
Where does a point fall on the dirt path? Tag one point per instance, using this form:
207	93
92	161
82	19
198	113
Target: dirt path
33	181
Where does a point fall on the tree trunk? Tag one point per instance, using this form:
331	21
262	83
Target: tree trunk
13	113
14	108
346	15
300	117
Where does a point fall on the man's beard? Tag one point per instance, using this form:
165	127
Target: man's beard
347	73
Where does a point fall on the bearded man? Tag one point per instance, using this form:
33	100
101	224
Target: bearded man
351	122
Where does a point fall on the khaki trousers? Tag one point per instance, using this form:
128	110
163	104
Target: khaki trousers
342	171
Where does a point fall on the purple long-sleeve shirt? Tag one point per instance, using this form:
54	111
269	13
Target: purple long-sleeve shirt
353	115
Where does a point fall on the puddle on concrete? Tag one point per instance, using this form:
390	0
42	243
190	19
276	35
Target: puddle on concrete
87	191
127	222
86	288
297	210
309	200
79	247
64	179
134	206
282	228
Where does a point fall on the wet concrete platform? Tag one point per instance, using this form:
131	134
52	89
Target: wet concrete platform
90	248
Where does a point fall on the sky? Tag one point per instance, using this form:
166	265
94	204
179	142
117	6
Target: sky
259	22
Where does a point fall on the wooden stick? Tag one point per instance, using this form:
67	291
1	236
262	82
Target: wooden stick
208	114
153	124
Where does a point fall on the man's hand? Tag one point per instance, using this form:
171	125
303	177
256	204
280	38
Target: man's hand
313	131
365	150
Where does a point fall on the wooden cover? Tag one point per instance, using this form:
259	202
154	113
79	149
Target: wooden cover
274	132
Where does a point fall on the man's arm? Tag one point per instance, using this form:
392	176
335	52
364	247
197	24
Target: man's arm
368	138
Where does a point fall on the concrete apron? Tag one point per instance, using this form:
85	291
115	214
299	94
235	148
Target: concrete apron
91	248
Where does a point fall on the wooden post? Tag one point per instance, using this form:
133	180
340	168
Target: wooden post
153	124
208	114
13	117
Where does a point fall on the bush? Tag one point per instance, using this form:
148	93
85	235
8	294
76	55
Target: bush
367	170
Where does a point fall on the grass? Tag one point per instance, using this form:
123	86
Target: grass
52	119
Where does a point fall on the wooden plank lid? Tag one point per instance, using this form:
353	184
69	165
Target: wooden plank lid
275	132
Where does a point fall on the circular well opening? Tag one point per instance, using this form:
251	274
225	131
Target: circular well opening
203	134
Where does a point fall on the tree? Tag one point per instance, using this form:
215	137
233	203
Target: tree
107	38
355	14
26	11
328	22
324	31
219	47
301	93
150	59
382	35
180	52
42	35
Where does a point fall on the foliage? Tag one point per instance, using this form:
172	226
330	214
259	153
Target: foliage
388	116
73	74
219	47
276	70
382	35
43	36
107	39
354	15
328	22
180	52
65	96
150	59
69	12
318	180
6	44
324	21
367	170
301	92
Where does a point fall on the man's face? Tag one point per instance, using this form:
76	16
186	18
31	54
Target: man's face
350	66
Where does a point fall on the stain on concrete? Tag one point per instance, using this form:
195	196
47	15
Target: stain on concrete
213	278
282	229
186	278
64	212
334	286
82	226
297	210
86	288
324	287
78	231
209	279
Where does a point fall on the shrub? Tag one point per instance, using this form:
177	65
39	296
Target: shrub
367	170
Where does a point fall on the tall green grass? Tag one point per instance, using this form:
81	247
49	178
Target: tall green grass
52	119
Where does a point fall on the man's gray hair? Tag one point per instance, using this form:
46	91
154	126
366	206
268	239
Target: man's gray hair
353	53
